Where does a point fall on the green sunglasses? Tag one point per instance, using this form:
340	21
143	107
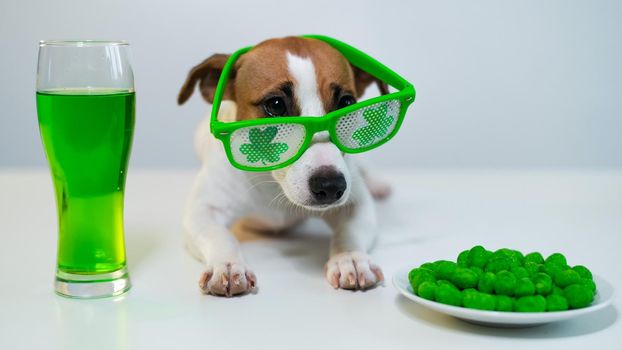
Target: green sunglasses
272	143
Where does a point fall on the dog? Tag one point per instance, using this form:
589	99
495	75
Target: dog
288	76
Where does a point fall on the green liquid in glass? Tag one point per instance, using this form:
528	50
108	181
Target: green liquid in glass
87	136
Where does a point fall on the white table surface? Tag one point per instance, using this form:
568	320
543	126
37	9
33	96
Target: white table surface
433	214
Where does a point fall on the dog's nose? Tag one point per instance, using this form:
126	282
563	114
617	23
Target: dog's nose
327	185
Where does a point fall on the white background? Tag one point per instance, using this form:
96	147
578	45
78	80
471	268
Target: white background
500	84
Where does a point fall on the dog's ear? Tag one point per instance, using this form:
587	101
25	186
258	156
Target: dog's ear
207	73
362	80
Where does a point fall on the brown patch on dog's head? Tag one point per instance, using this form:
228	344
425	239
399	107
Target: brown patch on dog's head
262	74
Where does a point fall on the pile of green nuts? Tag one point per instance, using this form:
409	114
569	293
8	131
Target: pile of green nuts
505	280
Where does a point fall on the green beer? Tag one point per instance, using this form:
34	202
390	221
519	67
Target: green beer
87	136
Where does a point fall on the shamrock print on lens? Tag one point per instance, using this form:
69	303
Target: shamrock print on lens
378	124
261	148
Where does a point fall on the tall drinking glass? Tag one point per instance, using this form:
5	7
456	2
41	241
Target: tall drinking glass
85	105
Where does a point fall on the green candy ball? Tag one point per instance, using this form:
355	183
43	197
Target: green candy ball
532	268
430	266
503	252
524	287
589	284
497	264
557	291
505	283
551	268
419	275
565	278
543	283
514	257
487	282
555	302
464	278
463	258
447	293
535	258
468	291
557	258
504	303
479	301
445	269
446	282
533	303
478	256
583	271
520	258
578	296
478	271
519	272
427	290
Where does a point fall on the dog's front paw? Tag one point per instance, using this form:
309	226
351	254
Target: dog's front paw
352	270
227	279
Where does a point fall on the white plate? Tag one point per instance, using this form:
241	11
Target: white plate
603	298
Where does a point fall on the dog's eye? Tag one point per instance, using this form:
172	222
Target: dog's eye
274	107
345	101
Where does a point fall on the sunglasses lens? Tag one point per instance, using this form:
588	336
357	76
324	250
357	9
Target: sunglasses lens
368	125
266	146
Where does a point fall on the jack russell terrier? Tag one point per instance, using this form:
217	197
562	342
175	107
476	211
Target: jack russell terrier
289	76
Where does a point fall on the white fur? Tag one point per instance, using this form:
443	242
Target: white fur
221	195
295	178
305	87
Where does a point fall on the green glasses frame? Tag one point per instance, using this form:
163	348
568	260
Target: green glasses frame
313	124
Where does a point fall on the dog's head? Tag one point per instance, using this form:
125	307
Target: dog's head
291	77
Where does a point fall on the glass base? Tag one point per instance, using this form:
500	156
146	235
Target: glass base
92	286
